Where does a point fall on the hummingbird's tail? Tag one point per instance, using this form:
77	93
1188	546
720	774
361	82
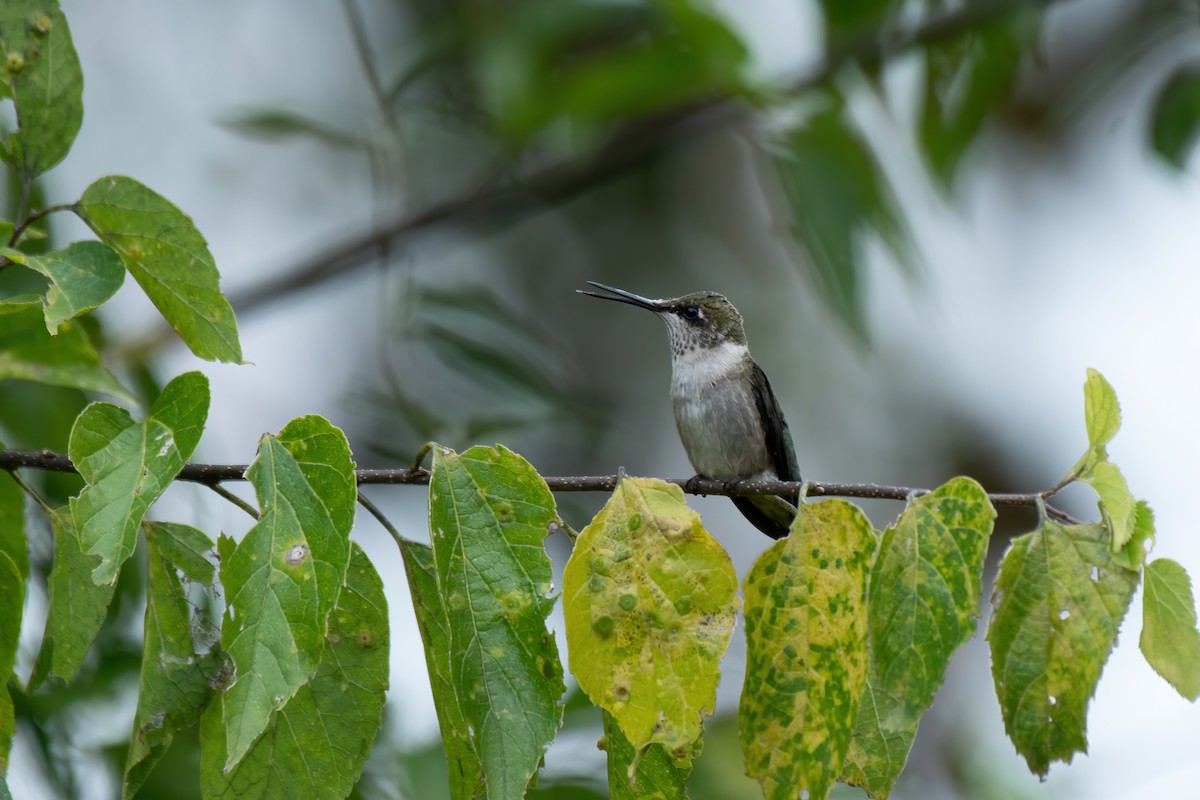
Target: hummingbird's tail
771	515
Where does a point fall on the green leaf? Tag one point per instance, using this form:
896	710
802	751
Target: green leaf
43	77
1133	554
28	352
640	60
83	276
165	253
1176	116
806	650
284	577
13	540
12	589
276	125
845	19
188	550
1170	641
489	511
1060	598
321	738
1101	412
465	771
632	775
1117	506
650	602
837	192
967	80
128	465
178	662
924	602
77	605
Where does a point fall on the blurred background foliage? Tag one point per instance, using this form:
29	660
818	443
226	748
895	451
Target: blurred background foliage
514	149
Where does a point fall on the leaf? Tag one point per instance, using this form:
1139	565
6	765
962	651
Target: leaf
168	257
275	125
650	602
1175	121
1101	412
178	661
1133	554
967	80
43	77
1170	641
1060	598
13	540
128	465
638	61
489	511
83	276
28	352
283	579
188	550
1117	506
465	771
632	775
837	192
806	650
925	588
322	736
844	20
12	589
77	605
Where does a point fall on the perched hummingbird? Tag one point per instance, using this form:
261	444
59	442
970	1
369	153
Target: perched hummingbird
727	416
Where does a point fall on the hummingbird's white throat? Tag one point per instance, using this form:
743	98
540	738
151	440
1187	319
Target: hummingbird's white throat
695	369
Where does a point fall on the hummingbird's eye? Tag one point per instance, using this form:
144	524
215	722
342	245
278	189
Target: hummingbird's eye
691	312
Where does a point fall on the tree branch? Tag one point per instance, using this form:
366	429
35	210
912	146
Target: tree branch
214	474
633	146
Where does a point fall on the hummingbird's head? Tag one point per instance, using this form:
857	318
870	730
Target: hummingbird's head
695	321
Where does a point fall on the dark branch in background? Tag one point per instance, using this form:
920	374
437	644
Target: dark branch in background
633	146
215	474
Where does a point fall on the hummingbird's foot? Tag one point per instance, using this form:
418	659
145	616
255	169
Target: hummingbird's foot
691	485
732	484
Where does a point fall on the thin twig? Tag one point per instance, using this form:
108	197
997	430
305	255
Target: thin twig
213	474
383	520
29	490
34	217
634	146
233	498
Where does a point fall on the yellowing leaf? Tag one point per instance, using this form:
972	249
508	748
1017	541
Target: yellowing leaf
1169	640
650	603
806	650
925	589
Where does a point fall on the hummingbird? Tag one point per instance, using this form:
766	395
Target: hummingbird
728	418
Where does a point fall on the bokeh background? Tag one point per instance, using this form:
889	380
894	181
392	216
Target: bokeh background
929	250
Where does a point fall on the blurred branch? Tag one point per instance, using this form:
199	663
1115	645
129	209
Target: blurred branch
213	474
631	147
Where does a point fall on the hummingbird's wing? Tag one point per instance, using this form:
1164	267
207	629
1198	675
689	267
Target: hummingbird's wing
769	514
775	429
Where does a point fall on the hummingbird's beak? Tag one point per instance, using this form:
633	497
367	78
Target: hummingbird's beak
622	296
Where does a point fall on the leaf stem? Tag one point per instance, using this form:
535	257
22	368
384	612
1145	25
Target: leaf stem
29	490
233	498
